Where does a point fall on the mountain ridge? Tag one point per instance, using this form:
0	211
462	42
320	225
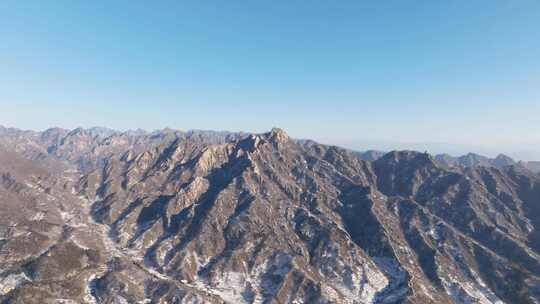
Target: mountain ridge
466	160
256	218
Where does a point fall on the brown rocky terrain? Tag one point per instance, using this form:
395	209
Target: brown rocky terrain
100	216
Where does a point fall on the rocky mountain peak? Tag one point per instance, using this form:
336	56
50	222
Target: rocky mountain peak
278	135
407	157
503	160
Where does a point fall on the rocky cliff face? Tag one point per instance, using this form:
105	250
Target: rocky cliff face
173	217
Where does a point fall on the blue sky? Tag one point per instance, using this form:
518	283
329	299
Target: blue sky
435	75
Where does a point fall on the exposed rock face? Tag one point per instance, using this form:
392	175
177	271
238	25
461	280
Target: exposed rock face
173	217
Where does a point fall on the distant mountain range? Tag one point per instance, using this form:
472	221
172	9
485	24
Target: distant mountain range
101	216
468	160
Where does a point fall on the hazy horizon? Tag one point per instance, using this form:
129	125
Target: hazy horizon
461	76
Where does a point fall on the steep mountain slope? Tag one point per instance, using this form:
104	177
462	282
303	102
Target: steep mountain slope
261	218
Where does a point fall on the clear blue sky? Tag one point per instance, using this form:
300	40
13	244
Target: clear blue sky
352	73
